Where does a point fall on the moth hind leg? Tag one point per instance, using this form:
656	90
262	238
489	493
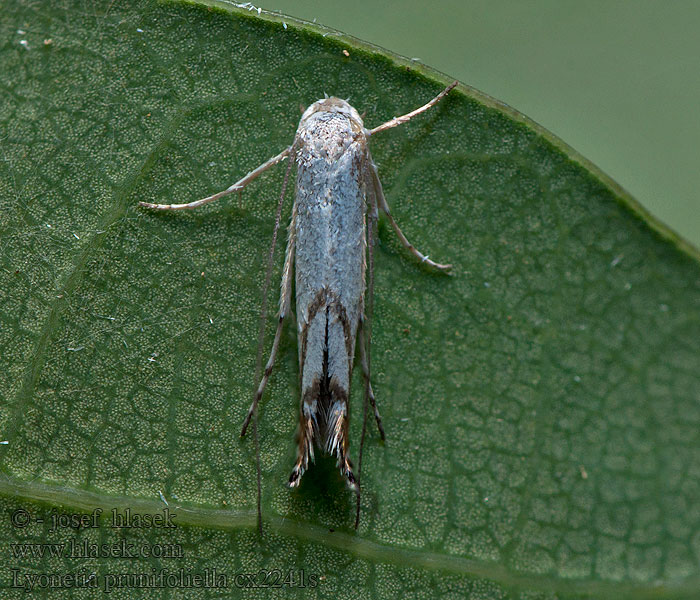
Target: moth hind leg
364	363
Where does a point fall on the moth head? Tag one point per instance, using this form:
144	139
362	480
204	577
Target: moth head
334	105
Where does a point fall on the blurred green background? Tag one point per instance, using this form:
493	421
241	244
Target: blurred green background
618	81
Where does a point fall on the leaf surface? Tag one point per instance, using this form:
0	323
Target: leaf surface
541	404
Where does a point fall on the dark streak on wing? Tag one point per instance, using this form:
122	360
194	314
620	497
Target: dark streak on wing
314	307
325	390
342	315
321	298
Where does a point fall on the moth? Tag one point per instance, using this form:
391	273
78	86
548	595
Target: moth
330	253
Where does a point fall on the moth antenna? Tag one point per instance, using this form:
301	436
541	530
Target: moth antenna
236	187
408	116
261	335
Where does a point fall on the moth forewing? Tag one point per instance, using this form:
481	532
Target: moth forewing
331	157
329	252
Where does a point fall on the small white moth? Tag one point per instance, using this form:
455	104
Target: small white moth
330	246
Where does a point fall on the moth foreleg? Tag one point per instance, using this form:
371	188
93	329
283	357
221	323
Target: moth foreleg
365	373
236	187
381	201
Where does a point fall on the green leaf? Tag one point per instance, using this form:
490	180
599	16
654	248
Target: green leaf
541	404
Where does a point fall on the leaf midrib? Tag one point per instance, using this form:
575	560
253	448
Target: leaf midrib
226	519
